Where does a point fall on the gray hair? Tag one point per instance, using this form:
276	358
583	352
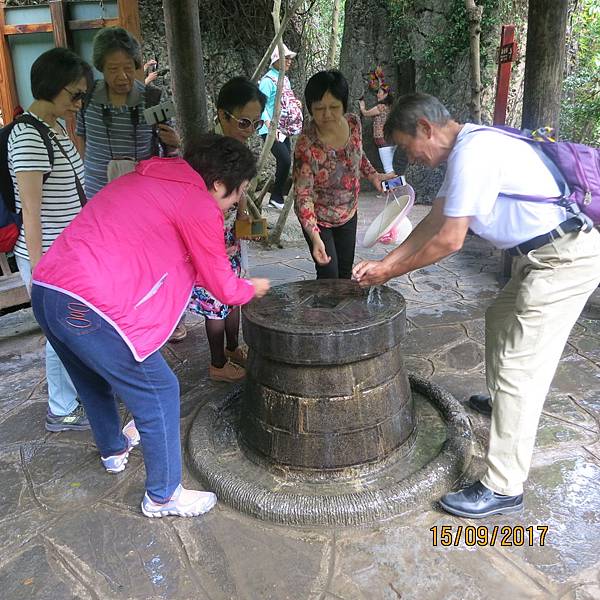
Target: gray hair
408	109
111	39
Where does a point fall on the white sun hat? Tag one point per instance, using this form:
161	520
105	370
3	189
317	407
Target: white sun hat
391	225
286	52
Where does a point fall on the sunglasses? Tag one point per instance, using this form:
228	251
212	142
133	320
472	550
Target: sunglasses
76	96
246	123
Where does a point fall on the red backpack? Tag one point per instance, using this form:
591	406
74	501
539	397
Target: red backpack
10	219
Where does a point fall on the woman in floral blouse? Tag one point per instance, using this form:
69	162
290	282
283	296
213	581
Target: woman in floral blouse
328	163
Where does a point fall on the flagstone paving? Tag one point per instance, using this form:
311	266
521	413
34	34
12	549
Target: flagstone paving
70	530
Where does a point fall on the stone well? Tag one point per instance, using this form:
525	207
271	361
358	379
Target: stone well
326	386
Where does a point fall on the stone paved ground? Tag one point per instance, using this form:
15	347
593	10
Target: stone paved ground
70	530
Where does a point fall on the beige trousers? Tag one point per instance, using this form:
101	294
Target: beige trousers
526	329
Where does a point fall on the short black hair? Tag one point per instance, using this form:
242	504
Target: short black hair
55	69
326	81
111	39
237	92
219	158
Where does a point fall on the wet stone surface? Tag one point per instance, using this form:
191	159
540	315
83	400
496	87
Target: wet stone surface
70	531
326	385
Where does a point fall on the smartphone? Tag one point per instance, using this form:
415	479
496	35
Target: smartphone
160	113
390	184
153	68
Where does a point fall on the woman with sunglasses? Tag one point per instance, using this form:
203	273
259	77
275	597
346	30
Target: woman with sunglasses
239	106
45	168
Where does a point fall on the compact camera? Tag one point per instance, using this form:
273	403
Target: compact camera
390	184
160	113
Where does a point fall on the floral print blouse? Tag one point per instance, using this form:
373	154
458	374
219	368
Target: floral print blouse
378	123
326	179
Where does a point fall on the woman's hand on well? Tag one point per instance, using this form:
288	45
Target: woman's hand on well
318	250
168	135
261	286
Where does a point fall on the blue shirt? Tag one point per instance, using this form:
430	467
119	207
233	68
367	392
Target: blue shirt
269	88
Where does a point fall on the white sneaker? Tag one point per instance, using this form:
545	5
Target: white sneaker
183	503
116	463
275	204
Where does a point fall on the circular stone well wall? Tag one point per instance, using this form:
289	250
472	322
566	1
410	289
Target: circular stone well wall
326	386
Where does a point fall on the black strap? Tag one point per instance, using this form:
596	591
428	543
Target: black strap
45	134
78	185
134	113
572	224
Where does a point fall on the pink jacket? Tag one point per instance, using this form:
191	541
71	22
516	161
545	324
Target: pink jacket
138	247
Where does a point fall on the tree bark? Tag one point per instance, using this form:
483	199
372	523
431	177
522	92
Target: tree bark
474	13
335	24
544	62
182	26
366	44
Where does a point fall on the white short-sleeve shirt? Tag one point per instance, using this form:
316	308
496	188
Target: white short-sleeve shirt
483	166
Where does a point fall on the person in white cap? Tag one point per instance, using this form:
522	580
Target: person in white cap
290	121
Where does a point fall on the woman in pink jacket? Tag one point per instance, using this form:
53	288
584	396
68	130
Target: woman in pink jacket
113	286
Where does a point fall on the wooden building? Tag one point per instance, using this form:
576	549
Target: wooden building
27	31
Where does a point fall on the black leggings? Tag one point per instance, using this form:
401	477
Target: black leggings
282	151
339	245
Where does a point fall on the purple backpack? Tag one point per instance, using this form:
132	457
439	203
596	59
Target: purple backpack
575	168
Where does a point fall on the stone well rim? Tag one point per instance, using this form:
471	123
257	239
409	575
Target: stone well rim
354	508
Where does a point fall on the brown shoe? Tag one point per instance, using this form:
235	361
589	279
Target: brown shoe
229	372
239	356
179	333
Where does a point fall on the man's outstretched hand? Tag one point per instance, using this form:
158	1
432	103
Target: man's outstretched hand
370	272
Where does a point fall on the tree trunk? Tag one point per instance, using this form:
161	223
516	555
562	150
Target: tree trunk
365	45
544	62
474	13
335	22
182	26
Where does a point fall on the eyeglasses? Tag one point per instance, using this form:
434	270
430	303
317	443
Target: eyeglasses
76	96
245	123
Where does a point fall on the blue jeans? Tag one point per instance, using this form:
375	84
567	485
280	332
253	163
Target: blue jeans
62	395
101	365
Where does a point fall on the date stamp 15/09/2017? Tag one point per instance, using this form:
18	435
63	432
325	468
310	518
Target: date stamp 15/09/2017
469	535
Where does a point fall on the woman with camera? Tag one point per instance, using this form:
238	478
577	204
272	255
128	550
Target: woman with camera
328	163
111	123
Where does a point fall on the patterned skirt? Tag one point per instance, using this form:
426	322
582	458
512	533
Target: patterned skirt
202	301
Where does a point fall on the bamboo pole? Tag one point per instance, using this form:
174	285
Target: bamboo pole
335	24
275	237
267	56
277	109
